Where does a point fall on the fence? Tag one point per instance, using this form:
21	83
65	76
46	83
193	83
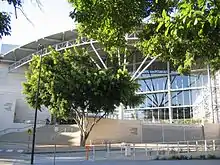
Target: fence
123	151
171	132
199	149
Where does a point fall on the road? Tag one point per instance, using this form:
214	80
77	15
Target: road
101	159
125	162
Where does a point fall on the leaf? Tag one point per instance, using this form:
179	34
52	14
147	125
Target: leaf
159	26
196	21
164	14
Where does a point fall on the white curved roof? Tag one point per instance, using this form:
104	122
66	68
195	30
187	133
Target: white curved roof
29	48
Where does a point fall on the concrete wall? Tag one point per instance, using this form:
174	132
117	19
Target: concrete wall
212	131
25	113
12	101
136	131
117	131
46	136
7	109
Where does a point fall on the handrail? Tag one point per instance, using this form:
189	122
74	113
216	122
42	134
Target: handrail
18	129
6	130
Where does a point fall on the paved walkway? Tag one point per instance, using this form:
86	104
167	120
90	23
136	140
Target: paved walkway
23	148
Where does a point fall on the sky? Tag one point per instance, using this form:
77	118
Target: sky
53	17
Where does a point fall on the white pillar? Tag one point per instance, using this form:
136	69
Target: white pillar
169	93
121	112
210	94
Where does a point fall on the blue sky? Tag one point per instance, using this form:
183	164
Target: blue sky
53	18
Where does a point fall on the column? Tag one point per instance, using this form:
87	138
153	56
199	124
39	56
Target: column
169	93
212	117
121	112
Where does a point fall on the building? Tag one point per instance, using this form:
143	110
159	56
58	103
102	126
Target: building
170	97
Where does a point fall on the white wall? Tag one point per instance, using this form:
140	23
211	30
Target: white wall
7	109
11	96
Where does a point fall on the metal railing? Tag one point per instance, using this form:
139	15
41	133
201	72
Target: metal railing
174	150
22	129
108	150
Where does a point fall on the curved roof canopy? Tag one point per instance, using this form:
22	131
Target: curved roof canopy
27	49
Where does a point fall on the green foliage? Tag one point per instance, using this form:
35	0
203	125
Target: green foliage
72	86
108	21
5	19
185	32
187	37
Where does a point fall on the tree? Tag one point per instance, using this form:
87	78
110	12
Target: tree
72	86
187	37
184	32
5	17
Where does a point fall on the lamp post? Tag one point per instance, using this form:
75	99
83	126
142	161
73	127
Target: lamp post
56	129
40	47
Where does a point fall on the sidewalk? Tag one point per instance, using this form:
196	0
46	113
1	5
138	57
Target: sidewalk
47	149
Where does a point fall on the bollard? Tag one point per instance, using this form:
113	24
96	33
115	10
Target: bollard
93	152
146	150
134	151
54	156
106	145
205	145
187	147
178	148
213	145
87	152
196	146
108	149
127	150
157	150
168	149
122	147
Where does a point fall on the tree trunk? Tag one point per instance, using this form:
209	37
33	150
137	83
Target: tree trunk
83	138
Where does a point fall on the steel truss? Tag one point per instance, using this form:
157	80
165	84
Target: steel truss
62	46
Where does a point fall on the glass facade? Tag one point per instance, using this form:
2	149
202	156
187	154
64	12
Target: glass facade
171	96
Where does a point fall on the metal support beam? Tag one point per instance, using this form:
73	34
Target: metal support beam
169	93
119	58
146	67
210	93
145	59
98	55
125	59
63	36
52	39
95	63
27	49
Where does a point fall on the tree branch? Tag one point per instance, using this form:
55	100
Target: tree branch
78	118
96	121
24	15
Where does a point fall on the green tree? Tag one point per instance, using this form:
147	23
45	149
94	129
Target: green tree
184	32
72	86
5	17
187	37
